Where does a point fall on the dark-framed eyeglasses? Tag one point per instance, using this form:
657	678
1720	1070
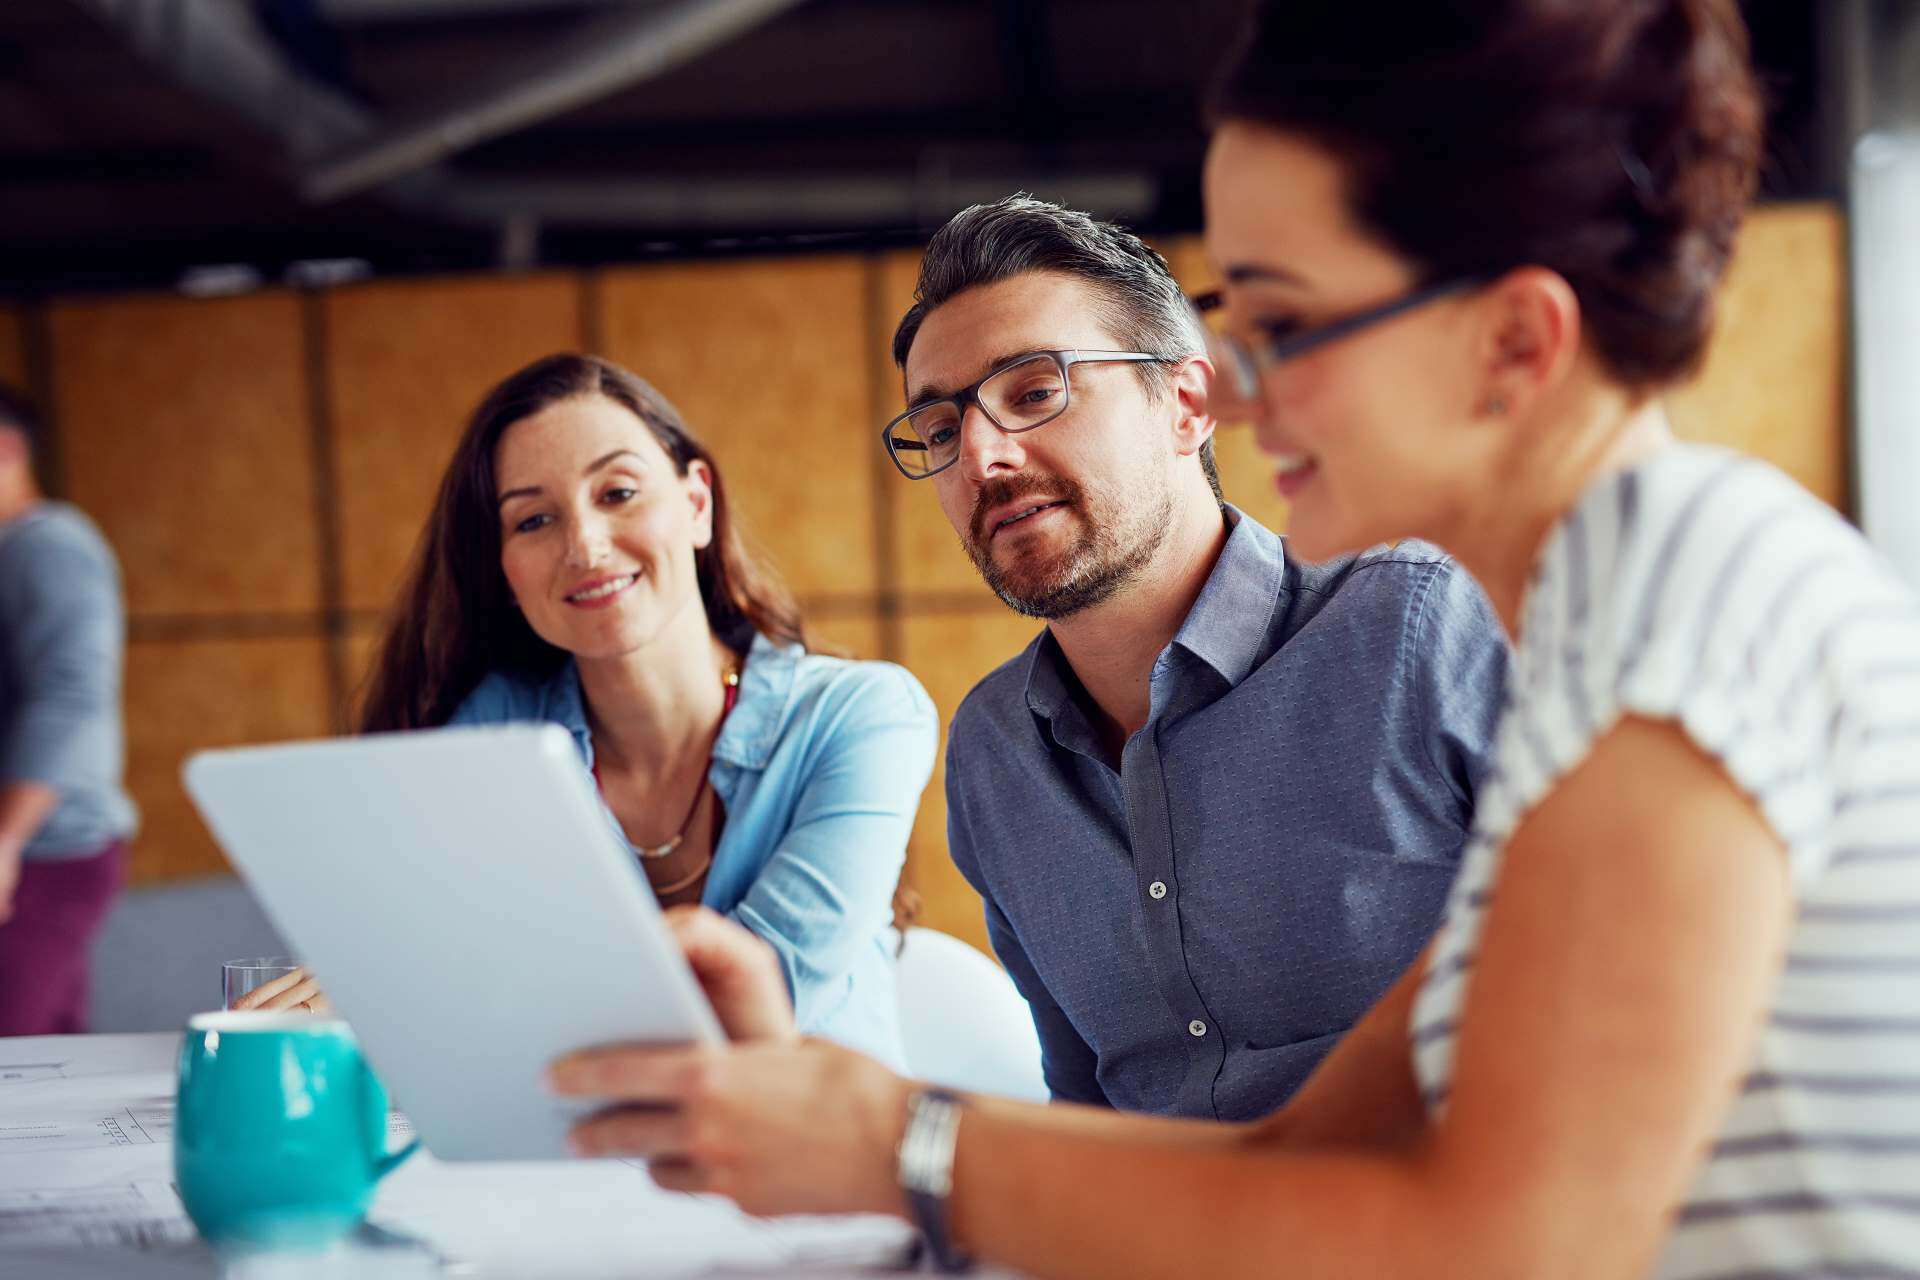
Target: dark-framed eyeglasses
1016	395
1238	364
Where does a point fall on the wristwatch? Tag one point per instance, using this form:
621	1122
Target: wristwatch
926	1172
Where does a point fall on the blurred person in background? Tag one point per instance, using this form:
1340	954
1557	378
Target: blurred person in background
1669	1023
581	567
64	816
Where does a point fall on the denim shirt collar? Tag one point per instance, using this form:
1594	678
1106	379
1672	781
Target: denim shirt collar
1228	627
752	729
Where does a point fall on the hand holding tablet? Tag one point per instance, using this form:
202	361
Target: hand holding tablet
478	862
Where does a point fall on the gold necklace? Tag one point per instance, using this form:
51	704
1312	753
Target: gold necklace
730	681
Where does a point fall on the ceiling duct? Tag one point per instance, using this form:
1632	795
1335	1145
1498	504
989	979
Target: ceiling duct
606	56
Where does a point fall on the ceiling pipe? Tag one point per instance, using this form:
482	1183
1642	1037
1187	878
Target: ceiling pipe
217	50
608	55
840	203
353	11
221	53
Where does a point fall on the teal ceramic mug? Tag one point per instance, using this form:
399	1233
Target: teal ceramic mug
280	1133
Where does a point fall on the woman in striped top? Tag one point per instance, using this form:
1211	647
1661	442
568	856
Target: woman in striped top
1671	1023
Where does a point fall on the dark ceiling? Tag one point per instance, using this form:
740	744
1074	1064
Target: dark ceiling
142	138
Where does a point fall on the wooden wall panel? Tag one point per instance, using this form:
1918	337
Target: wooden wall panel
950	652
768	362
13	348
1775	381
931	558
855	634
407	362
357	643
850	634
186	433
183	696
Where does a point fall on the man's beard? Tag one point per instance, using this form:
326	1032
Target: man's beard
1105	557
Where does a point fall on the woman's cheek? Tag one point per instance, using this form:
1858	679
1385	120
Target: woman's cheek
1303	399
513	569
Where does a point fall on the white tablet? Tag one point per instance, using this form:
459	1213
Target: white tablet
461	897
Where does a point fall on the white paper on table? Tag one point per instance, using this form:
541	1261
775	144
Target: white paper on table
86	1142
121	1196
81	1126
605	1218
75	1093
33	1059
141	1214
561	1219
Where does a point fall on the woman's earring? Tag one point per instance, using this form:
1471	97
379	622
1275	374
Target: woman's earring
1495	406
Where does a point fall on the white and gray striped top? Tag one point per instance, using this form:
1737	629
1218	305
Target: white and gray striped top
1706	589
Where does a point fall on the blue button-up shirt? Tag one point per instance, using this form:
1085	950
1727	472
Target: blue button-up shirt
819	766
1194	931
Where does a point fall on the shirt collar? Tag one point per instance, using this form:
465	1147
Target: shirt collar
1227	627
752	728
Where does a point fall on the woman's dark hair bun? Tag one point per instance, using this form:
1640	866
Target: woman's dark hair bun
1613	141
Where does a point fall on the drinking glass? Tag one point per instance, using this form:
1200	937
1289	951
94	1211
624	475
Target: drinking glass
237	977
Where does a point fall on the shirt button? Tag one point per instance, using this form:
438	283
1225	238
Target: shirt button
1196	1028
1157	890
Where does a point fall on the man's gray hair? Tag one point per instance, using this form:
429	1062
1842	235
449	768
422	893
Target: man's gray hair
1138	298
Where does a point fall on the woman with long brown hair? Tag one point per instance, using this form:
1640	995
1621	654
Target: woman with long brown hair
581	567
1670	1023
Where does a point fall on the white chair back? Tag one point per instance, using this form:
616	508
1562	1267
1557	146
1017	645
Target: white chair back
963	1023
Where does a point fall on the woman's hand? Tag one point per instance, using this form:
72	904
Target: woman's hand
739	972
786	1126
290	992
777	1123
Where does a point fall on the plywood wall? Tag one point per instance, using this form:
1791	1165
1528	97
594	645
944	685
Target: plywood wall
406	363
264	464
186	434
769	364
1775	381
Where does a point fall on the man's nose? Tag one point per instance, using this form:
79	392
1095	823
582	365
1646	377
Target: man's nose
986	450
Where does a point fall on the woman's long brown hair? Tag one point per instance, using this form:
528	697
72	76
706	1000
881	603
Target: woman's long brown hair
455	620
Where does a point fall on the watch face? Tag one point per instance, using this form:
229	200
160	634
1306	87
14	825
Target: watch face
926	1171
926	1149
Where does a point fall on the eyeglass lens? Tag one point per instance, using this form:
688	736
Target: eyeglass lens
1019	397
1233	393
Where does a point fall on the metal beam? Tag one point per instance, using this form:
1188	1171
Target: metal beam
606	56
844	203
352	11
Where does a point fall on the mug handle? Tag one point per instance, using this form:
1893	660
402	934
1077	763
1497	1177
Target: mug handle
387	1163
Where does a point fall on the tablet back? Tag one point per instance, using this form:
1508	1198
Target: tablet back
462	899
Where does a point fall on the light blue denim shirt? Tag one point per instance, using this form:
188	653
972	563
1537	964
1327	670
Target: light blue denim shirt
820	766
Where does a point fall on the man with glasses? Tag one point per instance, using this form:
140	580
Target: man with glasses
1215	808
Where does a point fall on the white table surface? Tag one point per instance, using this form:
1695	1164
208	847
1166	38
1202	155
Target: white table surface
86	1190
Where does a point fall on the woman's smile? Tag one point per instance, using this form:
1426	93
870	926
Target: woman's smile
602	592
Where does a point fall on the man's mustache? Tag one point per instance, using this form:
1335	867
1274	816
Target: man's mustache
996	493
